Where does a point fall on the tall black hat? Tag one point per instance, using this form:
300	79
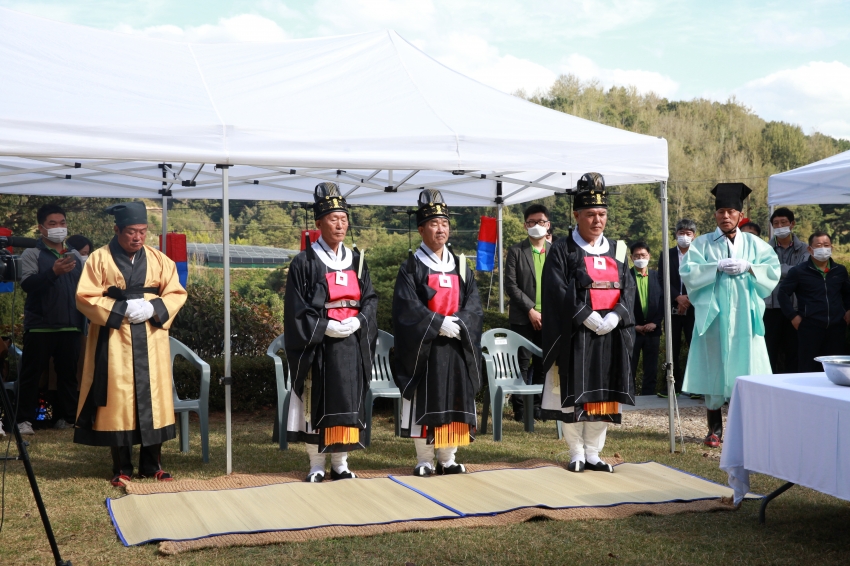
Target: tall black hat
591	192
730	195
327	199
431	205
128	213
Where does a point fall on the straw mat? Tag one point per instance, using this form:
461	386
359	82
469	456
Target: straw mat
249	510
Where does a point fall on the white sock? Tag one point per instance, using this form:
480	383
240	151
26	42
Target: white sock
446	456
593	459
317	460
339	462
424	453
577	458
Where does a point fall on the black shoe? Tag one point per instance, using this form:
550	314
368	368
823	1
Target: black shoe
346	475
577	467
453	469
423	471
538	414
315	477
600	466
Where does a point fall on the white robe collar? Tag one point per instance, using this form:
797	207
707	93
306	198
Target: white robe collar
732	245
336	261
600	248
427	256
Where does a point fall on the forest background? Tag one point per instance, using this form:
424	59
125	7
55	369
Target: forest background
709	142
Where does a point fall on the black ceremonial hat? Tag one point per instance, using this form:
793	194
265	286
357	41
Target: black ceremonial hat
431	205
327	199
730	195
128	213
591	192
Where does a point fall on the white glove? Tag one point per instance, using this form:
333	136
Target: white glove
733	266
450	328
132	307
352	322
609	323
336	329
593	321
142	313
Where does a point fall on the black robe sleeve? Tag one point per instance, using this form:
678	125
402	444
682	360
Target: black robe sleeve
368	332
559	304
303	324
415	327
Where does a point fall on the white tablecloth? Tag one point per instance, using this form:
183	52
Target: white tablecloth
795	427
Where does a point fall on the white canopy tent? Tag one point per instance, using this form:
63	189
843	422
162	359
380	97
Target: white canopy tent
824	182
91	113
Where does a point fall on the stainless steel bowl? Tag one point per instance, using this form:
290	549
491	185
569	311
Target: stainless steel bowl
837	368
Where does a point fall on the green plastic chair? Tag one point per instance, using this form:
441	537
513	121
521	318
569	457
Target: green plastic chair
503	377
382	384
200	406
284	391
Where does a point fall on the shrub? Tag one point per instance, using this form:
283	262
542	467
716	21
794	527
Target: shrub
253	387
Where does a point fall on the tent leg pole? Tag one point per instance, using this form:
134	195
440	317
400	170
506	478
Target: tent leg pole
501	265
164	246
668	316
227	379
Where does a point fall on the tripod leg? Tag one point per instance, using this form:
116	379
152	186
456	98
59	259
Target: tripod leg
25	457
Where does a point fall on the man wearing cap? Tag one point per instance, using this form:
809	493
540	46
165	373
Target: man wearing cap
437	319
588	332
130	293
728	273
330	332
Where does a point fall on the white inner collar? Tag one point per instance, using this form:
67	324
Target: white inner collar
732	245
341	259
600	248
430	259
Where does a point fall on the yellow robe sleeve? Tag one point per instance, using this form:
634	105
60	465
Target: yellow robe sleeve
172	295
99	273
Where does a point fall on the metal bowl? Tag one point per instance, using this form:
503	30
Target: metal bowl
837	368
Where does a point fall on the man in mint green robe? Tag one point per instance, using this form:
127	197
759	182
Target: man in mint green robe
727	274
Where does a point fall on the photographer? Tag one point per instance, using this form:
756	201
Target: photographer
52	323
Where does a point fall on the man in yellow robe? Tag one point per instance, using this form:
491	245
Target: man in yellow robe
131	293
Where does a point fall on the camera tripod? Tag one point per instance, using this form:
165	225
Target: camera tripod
24	456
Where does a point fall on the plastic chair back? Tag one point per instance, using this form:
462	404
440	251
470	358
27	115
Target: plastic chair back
382	375
502	346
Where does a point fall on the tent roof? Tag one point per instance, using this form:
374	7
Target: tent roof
363	103
824	182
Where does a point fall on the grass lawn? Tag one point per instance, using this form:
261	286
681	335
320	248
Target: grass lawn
803	525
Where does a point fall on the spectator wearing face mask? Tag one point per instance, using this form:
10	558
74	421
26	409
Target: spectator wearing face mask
822	309
779	334
80	243
682	321
523	273
649	310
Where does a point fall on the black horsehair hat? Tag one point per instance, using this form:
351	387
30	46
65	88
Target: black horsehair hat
328	199
590	192
730	195
431	205
128	213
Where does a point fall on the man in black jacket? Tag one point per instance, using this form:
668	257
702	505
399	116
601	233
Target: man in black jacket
523	270
52	323
683	312
822	288
648	314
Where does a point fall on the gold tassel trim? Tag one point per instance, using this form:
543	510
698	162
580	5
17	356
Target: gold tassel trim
604	408
342	435
452	434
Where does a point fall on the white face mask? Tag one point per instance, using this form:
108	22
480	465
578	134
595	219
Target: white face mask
684	241
537	231
84	258
822	254
57	235
640	263
782	232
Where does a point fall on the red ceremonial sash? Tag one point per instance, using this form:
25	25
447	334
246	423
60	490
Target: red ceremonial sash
342	285
602	269
447	299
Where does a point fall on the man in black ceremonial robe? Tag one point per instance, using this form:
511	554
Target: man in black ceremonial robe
588	336
330	333
437	320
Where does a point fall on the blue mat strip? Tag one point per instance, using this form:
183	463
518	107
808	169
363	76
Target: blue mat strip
426	496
